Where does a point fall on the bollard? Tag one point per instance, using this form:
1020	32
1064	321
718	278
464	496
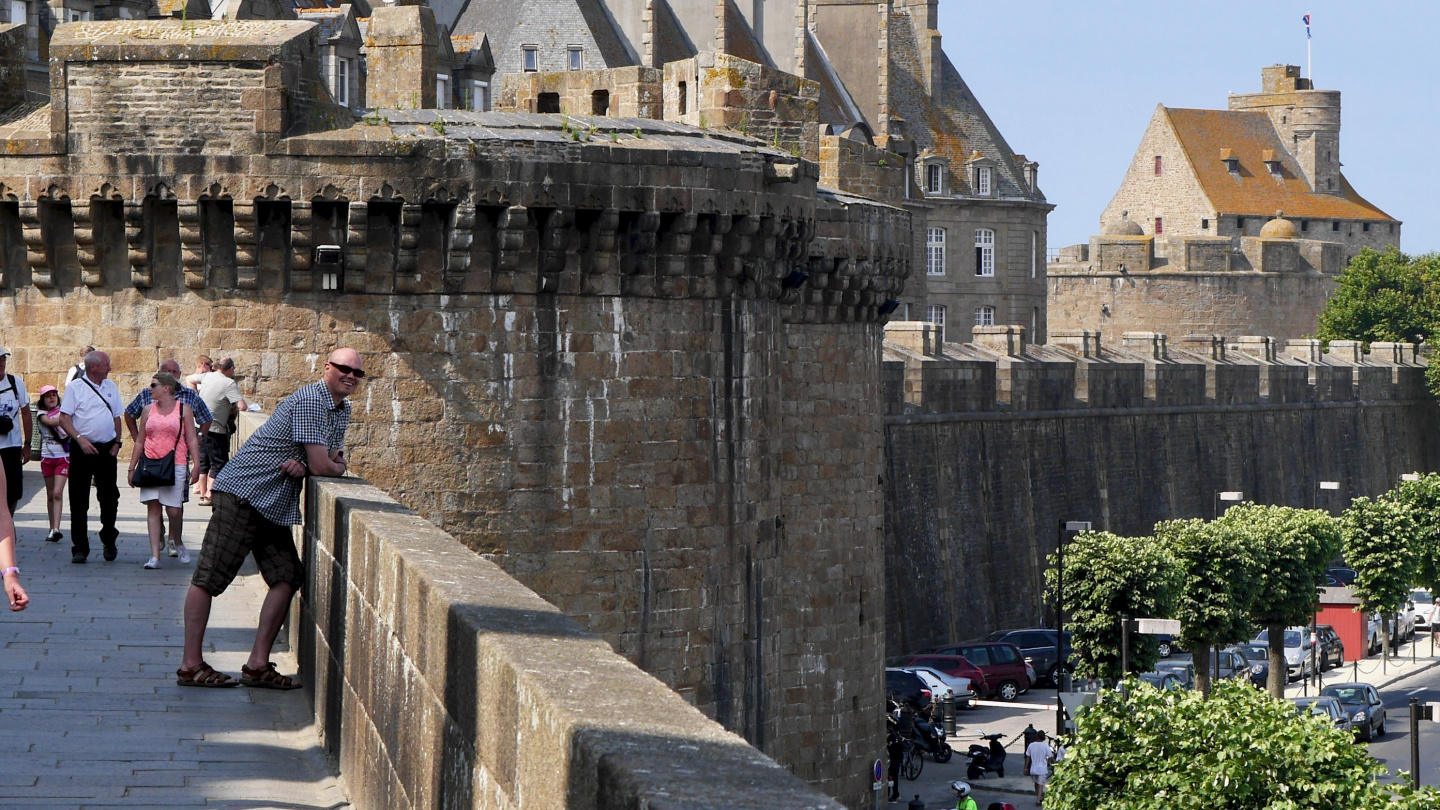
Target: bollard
1355	676
950	716
916	804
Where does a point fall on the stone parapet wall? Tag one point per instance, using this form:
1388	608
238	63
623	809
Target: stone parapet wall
991	443
858	168
438	680
727	92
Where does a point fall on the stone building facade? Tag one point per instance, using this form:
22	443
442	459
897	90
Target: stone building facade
1228	221
637	365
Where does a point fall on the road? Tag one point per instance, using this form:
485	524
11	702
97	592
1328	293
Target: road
1394	748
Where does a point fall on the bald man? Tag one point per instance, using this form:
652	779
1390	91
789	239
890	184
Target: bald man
256	499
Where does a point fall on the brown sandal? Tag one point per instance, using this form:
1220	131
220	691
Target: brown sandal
267	678
204	675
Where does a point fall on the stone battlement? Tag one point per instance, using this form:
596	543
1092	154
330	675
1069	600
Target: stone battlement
1001	372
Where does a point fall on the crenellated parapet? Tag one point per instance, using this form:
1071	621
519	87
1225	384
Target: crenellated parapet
227	196
1079	369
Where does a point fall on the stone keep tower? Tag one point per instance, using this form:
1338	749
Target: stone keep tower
636	364
1307	119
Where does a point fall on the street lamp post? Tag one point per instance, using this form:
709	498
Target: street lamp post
1229	496
1062	652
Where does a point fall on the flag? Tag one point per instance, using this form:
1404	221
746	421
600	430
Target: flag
1307	26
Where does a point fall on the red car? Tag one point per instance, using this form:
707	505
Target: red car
950	665
1006	673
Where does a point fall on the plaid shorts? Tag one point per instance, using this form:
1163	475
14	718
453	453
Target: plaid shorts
237	529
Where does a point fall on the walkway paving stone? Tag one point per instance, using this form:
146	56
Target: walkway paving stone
89	708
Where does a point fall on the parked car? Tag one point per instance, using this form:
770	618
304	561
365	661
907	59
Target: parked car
1402	624
1037	645
959	686
1184	670
1374	635
1424	609
1162	680
1257	657
1363	705
1299	652
1324	707
1007	676
1344	576
1230	663
1332	649
1165	644
903	686
939	691
950	665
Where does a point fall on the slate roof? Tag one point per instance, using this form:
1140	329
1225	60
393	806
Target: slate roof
1249	136
551	24
329	21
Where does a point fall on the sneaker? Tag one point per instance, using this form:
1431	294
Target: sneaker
79	558
152	563
110	553
184	556
170	550
54	536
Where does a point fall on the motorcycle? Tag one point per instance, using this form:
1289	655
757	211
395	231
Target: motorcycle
985	759
930	738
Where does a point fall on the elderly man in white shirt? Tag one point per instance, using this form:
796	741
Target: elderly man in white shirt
90	413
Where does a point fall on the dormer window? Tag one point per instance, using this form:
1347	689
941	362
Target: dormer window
1231	161
933	177
1272	163
982	181
577	58
531	54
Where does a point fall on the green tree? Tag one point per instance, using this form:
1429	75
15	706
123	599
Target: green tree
1423	498
1218	580
1378	535
1145	749
1107	577
1384	296
1292	547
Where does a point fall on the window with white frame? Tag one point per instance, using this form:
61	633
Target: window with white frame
476	95
984	252
982	181
577	57
936	315
342	82
985	316
935	251
934	178
1034	251
442	92
532	57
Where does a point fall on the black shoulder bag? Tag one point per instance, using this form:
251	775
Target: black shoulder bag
159	472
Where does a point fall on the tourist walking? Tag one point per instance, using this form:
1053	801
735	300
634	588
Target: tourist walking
15	427
202	422
14	593
167	428
90	414
222	397
1038	756
256	500
54	458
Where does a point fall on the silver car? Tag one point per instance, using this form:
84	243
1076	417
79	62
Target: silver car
1324	707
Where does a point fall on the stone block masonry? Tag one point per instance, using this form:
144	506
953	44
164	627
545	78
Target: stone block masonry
975	486
632	362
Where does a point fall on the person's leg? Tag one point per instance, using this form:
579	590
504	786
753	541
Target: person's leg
81	472
197	616
177	522
272	615
108	494
51	510
14	472
155	522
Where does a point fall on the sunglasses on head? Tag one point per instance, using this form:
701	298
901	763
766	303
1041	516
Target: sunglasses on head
358	373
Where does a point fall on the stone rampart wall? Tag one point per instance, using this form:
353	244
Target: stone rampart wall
438	680
975	484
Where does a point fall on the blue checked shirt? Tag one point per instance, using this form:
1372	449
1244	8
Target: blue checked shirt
197	405
308	416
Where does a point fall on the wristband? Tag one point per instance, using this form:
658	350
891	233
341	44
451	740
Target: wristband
8	571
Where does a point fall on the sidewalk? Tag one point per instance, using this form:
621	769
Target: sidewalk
88	701
1376	672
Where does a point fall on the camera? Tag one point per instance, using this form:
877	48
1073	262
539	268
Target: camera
6	424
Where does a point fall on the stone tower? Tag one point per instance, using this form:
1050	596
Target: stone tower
1307	119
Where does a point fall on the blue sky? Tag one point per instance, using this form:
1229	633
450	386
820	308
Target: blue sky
1073	85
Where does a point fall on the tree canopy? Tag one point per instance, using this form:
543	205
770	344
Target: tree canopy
1386	296
1106	577
1218	581
1423	498
1145	749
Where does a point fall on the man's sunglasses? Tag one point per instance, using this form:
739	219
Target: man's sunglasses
357	373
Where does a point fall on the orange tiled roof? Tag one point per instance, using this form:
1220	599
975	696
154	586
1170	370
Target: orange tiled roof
1250	138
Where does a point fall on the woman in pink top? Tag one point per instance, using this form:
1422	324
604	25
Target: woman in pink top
166	424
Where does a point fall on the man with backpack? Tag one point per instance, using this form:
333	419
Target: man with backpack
15	429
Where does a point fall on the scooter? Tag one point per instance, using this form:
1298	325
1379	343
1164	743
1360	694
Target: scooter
985	759
930	738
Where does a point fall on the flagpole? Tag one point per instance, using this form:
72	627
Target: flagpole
1309	66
